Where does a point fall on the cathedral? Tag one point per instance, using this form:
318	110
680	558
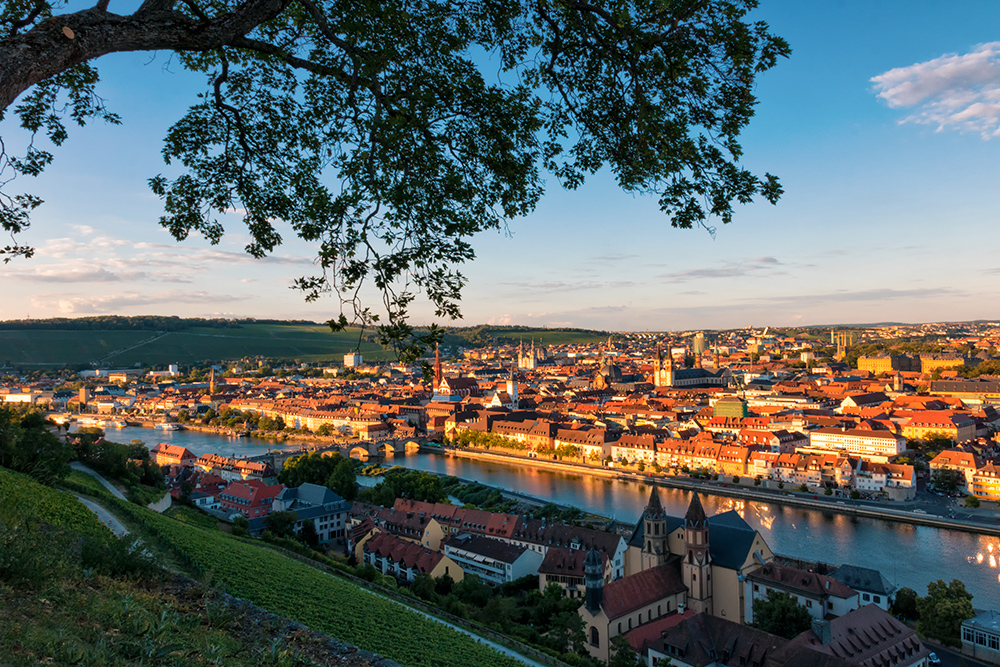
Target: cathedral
665	374
695	563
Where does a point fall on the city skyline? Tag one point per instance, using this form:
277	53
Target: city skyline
882	127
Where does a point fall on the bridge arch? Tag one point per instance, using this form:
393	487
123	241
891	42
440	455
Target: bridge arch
359	452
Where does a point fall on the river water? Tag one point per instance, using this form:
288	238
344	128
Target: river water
907	555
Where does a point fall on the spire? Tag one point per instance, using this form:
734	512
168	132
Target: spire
695	516
654	507
437	366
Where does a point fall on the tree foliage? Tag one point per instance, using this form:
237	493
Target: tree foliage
905	604
336	473
947	480
375	132
781	614
400	482
26	445
943	610
281	524
623	655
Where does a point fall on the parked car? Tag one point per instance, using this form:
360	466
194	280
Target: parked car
933	659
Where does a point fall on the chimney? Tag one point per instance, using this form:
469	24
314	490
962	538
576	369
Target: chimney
822	631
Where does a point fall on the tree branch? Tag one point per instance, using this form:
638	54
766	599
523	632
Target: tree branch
48	49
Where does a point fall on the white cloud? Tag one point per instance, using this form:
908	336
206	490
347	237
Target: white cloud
952	91
113	303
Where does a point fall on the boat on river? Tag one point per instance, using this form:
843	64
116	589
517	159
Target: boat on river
167	426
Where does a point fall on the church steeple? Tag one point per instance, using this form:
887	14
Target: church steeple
695	516
668	372
656	547
696	568
437	366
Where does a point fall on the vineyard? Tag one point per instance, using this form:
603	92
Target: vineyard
23	497
323	602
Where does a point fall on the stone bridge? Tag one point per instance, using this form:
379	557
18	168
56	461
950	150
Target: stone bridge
362	449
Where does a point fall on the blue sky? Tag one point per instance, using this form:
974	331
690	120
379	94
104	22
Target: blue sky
883	127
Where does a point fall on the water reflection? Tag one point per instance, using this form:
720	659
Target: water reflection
906	555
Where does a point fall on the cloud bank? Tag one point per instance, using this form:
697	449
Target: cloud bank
951	92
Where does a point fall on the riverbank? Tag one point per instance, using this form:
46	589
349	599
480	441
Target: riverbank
858	508
299	440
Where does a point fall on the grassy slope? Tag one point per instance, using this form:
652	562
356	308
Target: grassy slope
22	496
298	591
55	611
307	343
303	342
64	347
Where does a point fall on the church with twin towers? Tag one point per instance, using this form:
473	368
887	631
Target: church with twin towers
673	565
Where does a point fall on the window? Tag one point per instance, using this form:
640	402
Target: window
809	604
756	588
994	642
876	599
595	637
865	597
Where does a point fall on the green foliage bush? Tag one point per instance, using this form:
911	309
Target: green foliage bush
780	614
943	610
400	482
27	446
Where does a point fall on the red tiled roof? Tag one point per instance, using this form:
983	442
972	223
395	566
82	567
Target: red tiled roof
624	596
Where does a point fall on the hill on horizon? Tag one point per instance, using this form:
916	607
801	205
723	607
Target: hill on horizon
151	341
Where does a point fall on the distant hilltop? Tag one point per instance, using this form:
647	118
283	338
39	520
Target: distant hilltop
135	322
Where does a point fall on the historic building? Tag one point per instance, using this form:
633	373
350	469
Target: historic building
713	555
695	563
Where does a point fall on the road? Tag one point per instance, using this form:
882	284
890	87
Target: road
76	465
106	517
950	658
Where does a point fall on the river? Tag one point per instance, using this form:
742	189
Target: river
907	555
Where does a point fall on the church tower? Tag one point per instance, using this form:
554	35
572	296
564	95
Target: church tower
512	389
655	549
696	568
663	374
897	382
437	367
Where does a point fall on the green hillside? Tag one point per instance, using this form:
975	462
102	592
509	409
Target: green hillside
148	341
486	334
306	343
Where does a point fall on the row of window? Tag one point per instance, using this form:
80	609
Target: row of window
981	638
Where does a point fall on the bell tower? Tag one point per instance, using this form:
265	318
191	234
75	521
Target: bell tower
655	548
696	569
